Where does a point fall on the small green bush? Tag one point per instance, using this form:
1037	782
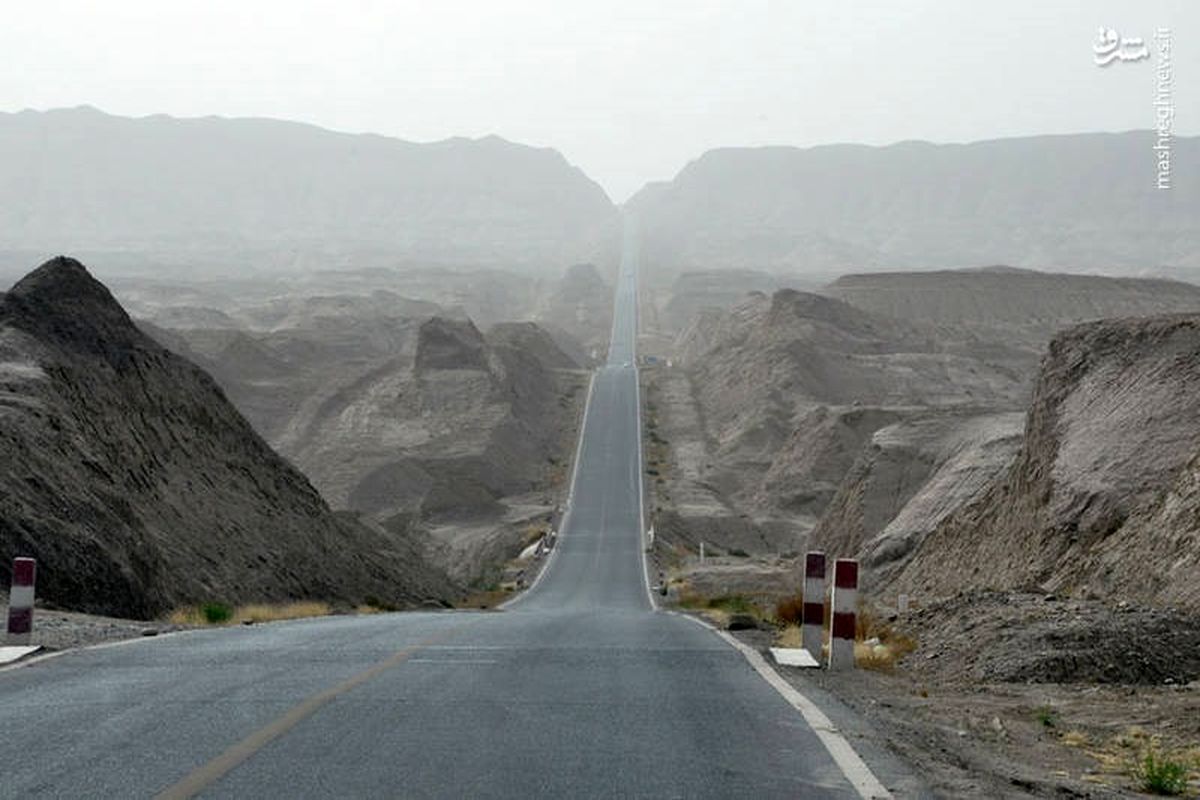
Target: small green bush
1158	774
1046	715
216	613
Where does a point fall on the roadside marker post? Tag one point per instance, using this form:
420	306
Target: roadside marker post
843	601
20	601
813	629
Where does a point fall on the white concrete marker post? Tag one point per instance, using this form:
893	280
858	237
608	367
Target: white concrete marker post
843	601
20	601
702	553
813	629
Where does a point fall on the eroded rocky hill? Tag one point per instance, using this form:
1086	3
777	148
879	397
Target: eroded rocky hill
139	487
1102	498
454	438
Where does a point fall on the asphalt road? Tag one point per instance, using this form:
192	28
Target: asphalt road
580	688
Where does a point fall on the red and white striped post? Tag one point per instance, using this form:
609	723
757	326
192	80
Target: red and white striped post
844	601
812	631
20	601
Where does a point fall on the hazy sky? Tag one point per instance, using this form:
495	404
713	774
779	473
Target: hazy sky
629	91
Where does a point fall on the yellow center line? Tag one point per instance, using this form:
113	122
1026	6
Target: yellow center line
212	771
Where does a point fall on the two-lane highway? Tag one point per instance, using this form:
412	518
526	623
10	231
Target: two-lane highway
580	688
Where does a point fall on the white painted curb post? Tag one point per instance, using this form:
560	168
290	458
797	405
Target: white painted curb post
20	601
813	629
844	601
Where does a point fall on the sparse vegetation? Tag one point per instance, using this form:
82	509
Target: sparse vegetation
216	613
790	636
1075	739
1046	716
484	598
376	605
790	610
878	645
719	609
1159	774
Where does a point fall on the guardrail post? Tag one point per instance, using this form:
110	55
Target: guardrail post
842	623
813	629
20	601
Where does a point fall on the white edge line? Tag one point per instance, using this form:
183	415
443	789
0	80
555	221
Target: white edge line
642	554
565	521
641	470
849	762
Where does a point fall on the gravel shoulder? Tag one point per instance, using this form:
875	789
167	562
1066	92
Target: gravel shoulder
62	630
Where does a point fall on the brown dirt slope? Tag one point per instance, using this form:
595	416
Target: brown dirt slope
138	487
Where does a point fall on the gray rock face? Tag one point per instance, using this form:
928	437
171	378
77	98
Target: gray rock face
694	292
909	476
1021	307
1102	496
579	303
457	440
448	344
791	386
138	487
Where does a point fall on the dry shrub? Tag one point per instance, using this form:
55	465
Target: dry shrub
889	646
272	612
790	636
790	610
257	612
484	599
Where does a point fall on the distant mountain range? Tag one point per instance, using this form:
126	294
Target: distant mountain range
1075	202
222	191
159	194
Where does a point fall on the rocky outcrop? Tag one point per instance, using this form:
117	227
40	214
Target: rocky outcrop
909	476
694	292
791	386
449	344
1017	306
1102	497
581	304
138	487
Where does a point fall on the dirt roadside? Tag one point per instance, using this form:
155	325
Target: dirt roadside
968	735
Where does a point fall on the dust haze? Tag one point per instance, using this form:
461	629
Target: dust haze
328	303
